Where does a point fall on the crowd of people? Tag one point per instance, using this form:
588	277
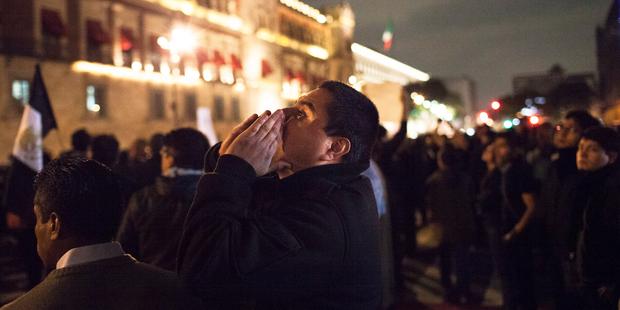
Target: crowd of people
315	207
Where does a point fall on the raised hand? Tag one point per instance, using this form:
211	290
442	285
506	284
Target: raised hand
257	143
236	132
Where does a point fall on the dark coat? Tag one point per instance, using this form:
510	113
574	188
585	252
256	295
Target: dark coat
309	241
559	200
153	223
450	198
115	283
600	238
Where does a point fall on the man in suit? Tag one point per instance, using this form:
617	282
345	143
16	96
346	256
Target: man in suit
77	206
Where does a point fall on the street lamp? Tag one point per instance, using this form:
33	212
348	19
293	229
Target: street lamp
182	41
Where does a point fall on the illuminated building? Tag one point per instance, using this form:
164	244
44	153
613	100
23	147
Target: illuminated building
136	67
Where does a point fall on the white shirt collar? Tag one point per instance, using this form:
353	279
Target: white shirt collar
90	253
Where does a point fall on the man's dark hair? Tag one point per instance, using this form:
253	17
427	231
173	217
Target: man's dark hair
85	195
353	116
80	140
188	147
105	149
606	137
584	119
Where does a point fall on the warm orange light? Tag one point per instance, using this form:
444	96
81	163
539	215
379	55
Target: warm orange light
496	105
534	120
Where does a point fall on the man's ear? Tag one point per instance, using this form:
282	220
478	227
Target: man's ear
54	224
338	148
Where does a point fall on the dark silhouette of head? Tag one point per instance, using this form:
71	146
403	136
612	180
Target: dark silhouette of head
187	147
80	140
104	149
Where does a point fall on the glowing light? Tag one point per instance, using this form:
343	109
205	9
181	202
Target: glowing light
163	42
149	68
305	9
291	90
189	8
239	86
483	116
164	68
470	132
417	98
516	121
388	62
136	65
226	75
534	120
182	39
284	41
495	105
129	74
507	124
352	79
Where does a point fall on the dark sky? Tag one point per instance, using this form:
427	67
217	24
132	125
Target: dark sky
488	40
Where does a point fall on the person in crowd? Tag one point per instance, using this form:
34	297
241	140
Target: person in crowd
80	141
152	225
76	205
540	156
401	214
105	149
307	239
510	204
599	242
151	169
561	210
450	201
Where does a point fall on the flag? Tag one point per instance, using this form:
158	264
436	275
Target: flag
388	35
27	155
37	120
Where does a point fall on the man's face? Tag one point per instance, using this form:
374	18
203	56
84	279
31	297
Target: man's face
591	156
501	151
567	134
304	139
44	242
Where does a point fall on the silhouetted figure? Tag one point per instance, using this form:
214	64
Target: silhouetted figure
599	242
80	141
153	223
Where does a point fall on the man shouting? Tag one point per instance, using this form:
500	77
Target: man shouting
304	238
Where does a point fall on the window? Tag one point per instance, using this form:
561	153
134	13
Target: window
95	100
52	29
96	37
20	89
236	109
218	110
127	46
190	107
157	106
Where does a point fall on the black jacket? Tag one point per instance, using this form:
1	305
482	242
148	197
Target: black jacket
309	241
600	237
153	223
560	201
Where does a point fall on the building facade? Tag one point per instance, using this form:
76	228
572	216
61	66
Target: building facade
136	67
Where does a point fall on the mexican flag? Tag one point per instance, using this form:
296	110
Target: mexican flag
388	35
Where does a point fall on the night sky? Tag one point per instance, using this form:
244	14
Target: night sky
488	40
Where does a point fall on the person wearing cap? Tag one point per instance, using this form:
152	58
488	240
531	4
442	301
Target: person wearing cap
599	240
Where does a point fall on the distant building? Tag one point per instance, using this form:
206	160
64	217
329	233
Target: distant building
545	82
608	59
135	67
